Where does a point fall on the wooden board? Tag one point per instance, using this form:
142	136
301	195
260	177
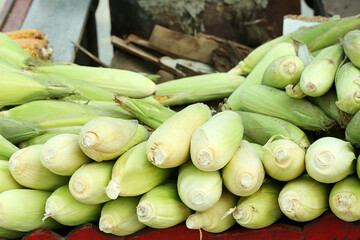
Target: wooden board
180	45
62	21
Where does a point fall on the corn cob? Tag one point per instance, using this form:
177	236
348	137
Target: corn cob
52	114
197	88
65	209
315	37
133	174
216	141
18	88
37	48
122	82
327	62
119	217
106	138
12	53
169	145
82	89
27	33
352	130
7	181
261	209
347	84
147	110
327	103
16	130
212	220
255	77
23	209
351	46
283	71
26	168
6	148
49	133
260	128
276	103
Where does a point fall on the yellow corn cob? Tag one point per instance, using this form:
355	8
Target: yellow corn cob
27	33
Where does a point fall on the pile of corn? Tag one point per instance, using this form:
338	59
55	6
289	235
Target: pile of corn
85	144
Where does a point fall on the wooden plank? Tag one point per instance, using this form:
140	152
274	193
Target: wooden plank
16	15
62	21
130	48
180	45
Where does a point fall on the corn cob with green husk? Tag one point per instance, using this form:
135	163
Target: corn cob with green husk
216	141
147	110
9	67
256	76
133	174
162	207
213	220
82	90
62	154
49	133
18	88
283	159
327	103
276	103
65	209
12	53
106	138
23	210
122	82
53	114
283	71
6	148
351	44
347	84
315	37
261	209
169	145
352	130
260	128
87	184
197	88
330	159
244	173
344	199
199	190
26	168
119	217
11	234
16	130
327	62
304	199
7	181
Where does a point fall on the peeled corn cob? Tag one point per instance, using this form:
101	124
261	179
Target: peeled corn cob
27	33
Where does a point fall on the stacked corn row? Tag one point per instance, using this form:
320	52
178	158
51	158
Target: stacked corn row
260	160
